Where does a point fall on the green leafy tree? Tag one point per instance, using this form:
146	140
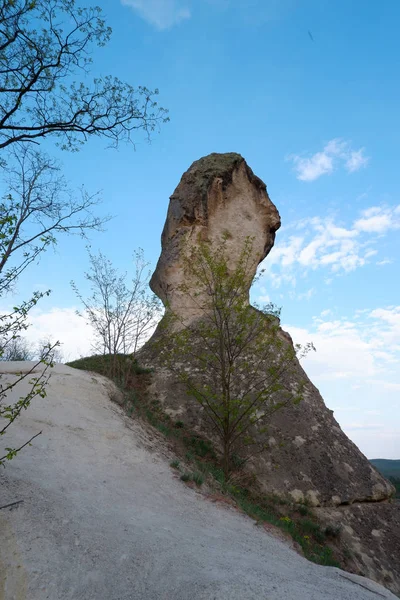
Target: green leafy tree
234	359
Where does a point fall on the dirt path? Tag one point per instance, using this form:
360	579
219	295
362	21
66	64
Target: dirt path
103	518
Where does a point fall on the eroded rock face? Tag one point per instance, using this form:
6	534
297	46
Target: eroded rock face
308	456
219	196
371	534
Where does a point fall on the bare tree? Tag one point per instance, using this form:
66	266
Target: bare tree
18	349
41	350
43	43
38	207
122	316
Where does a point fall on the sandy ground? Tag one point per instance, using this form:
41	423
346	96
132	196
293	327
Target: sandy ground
104	518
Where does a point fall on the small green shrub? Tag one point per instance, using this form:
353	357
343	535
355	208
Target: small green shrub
201	447
174	464
130	409
333	530
164	429
105	364
324	556
186	477
310	527
304	510
347	553
198	478
179	424
237	462
275	499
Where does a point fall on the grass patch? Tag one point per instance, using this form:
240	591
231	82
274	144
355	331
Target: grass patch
120	368
198	478
304	510
312	529
333	531
174	464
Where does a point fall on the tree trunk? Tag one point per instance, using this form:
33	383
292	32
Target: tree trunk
226	460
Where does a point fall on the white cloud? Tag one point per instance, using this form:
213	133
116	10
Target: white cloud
306	295
355	368
386	385
322	243
309	169
379	219
75	335
356	160
364	346
389	326
64	325
341	353
335	153
162	14
364	426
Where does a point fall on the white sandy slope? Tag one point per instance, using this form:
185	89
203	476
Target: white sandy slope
104	518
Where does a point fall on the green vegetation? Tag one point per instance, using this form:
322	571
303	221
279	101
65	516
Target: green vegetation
196	477
240	369
202	464
105	364
389	469
396	482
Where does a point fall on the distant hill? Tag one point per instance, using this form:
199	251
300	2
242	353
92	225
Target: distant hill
388	468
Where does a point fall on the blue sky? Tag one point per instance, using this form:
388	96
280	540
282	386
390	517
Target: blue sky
307	91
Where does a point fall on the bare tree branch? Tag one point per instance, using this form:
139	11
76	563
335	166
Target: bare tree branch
36	62
122	315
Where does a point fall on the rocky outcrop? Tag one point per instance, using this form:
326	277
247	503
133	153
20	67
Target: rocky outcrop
308	456
370	534
218	196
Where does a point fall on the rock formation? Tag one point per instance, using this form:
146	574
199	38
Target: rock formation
218	196
309	457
